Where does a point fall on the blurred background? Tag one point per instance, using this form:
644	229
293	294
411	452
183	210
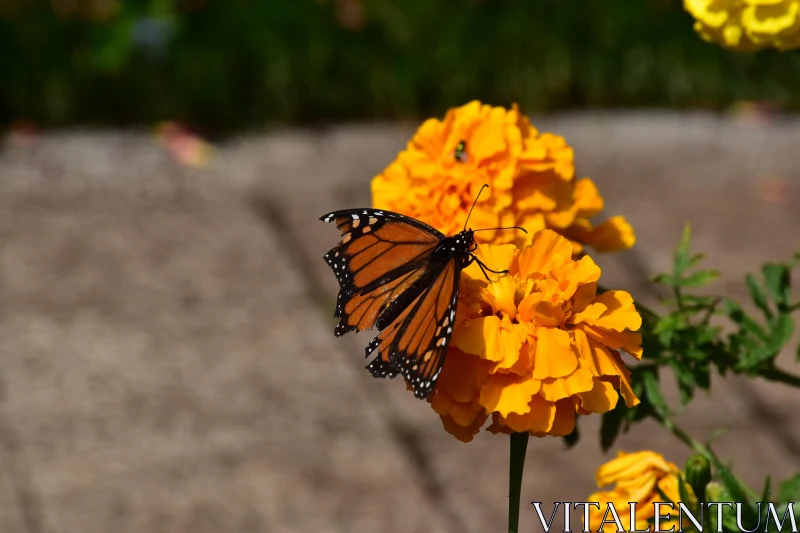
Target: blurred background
167	358
223	66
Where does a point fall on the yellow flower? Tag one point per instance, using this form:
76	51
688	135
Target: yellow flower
534	347
531	178
747	24
638	478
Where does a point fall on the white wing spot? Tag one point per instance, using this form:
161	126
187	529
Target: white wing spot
355	217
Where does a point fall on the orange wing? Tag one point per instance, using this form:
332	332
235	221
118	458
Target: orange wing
380	263
415	344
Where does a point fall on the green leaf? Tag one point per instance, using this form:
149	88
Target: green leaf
781	332
765	494
696	258
682	259
653	390
663	279
789	489
703	277
778	283
758	295
735	313
610	426
686	380
572	439
737	491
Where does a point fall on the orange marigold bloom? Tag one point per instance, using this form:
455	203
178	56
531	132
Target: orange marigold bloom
531	177
534	347
638	478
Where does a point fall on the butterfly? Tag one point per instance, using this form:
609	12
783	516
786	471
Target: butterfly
400	276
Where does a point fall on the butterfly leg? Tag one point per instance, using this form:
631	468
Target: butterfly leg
484	268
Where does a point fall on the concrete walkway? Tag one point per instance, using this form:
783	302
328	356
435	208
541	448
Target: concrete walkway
167	358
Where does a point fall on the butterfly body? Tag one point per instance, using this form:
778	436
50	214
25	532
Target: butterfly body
399	276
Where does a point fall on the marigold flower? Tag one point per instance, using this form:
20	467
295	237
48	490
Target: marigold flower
534	347
531	177
638	478
747	24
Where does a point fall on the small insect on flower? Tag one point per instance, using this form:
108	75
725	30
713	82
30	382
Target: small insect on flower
460	153
401	276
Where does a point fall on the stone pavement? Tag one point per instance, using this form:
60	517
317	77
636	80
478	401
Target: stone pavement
167	361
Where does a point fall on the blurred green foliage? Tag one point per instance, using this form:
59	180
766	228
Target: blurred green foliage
224	65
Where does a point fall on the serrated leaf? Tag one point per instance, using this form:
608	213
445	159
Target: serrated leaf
686	381
778	283
653	391
782	330
758	295
789	490
735	313
663	279
703	277
696	258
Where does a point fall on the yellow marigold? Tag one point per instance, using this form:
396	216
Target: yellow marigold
534	347
638	478
531	178
747	24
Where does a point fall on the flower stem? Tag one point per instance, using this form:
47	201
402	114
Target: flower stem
775	374
519	445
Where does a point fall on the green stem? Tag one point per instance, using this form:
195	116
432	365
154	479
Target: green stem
519	445
687	439
775	374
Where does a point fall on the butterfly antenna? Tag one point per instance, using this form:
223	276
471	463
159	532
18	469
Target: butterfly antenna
473	205
509	227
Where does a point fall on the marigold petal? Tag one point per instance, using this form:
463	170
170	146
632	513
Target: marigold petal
601	399
629	341
465	414
630	465
590	314
464	434
462	376
770	20
564	421
583	297
613	235
479	336
497	257
548	251
555	356
588	201
508	393
490	338
539	419
554	389
577	273
593	355
487	140
620	313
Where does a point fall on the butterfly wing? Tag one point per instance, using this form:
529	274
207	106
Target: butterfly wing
415	343
381	264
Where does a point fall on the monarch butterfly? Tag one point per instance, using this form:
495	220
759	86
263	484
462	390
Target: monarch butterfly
401	276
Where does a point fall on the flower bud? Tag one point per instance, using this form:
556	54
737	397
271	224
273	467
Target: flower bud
698	475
